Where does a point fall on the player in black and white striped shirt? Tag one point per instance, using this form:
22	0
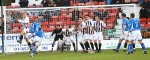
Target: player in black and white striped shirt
82	31
98	36
89	33
68	36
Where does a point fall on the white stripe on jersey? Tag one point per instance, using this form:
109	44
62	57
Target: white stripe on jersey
82	29
68	32
98	26
89	26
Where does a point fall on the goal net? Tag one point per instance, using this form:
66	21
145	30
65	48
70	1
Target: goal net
51	16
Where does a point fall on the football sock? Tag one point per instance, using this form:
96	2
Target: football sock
21	37
74	46
100	46
96	46
92	45
118	46
82	46
143	46
125	45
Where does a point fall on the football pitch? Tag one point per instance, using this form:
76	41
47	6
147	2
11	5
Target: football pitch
104	55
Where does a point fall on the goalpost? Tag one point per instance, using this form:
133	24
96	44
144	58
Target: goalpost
50	16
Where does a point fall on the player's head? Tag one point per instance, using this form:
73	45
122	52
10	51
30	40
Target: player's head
123	15
87	17
58	26
24	14
80	19
132	15
67	27
97	18
36	19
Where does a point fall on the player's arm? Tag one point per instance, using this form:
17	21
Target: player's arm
61	32
54	31
25	21
124	25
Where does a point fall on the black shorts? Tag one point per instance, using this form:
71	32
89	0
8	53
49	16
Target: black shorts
57	37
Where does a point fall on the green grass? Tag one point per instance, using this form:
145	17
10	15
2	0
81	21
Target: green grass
105	55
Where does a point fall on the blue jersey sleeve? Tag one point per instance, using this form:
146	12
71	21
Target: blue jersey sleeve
32	28
125	22
130	26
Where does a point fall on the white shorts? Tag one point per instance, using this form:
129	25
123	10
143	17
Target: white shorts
124	36
68	38
37	40
82	38
26	31
88	36
135	35
98	36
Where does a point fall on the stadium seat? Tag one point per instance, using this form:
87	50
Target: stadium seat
85	10
18	31
80	4
39	6
17	6
52	23
101	3
73	22
62	18
63	12
50	29
44	23
135	1
54	18
40	17
16	25
10	7
95	3
32	18
142	19
30	6
71	10
147	25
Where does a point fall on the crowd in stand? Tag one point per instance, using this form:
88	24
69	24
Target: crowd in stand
58	3
145	10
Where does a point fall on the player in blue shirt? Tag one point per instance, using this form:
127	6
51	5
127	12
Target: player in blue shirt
37	33
135	33
124	34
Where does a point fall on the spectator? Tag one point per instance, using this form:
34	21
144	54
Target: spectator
52	3
143	13
65	2
81	1
89	3
57	2
24	3
146	4
104	15
86	1
99	0
45	3
118	1
140	1
97	13
109	1
75	15
34	6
